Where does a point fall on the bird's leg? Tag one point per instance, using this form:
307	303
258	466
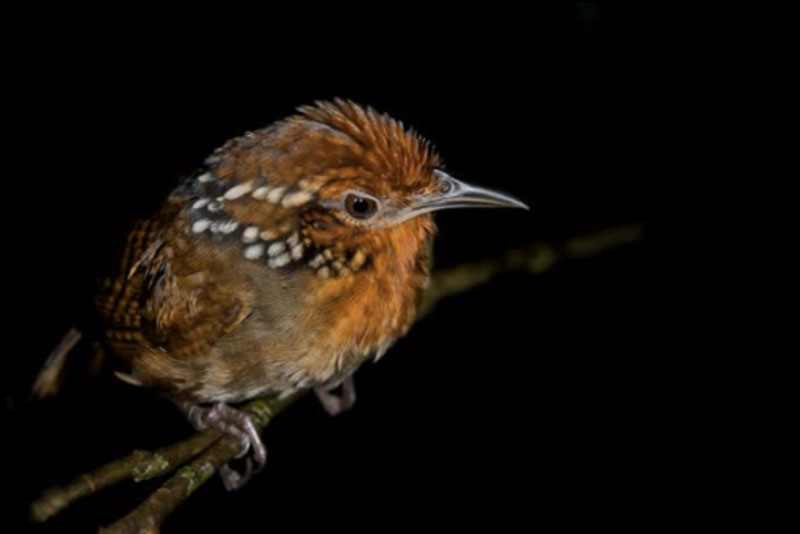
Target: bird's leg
335	404
240	426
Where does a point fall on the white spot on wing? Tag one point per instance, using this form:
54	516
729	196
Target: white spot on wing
276	248
228	226
200	203
296	199
275	195
254	252
205	178
317	261
280	261
201	226
309	185
250	234
261	192
297	252
238	191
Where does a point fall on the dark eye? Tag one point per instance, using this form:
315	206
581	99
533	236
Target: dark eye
360	207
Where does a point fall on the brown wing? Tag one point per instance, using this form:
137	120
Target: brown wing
162	308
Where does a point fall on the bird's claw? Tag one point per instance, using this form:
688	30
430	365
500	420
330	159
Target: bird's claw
233	479
238	425
336	404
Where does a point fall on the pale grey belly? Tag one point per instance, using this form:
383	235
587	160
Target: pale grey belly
278	359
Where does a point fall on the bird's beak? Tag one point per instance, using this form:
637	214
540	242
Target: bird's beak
457	194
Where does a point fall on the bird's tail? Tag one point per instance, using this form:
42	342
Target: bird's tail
52	376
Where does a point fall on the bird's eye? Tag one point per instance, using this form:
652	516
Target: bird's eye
360	207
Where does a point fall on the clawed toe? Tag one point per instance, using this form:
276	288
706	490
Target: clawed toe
233	479
238	425
336	404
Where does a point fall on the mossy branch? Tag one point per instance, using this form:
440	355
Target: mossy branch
148	516
200	456
139	465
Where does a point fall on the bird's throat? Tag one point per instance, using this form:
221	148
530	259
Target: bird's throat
370	309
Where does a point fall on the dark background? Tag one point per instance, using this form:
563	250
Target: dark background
533	400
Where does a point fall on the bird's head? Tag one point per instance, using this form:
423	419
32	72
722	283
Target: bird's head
330	187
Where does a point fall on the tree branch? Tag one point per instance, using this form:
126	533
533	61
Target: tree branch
139	465
206	451
148	516
535	259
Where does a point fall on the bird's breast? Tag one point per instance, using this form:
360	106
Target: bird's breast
305	331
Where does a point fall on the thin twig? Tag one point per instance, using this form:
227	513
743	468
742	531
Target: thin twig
535	259
148	516
139	465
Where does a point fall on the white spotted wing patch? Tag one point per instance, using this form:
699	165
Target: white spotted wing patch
275	247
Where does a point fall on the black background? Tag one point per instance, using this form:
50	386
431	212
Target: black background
529	401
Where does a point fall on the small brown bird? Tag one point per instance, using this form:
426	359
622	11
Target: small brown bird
293	255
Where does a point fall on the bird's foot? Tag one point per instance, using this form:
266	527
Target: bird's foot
335	404
240	426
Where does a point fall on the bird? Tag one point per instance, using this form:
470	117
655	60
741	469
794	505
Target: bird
294	254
